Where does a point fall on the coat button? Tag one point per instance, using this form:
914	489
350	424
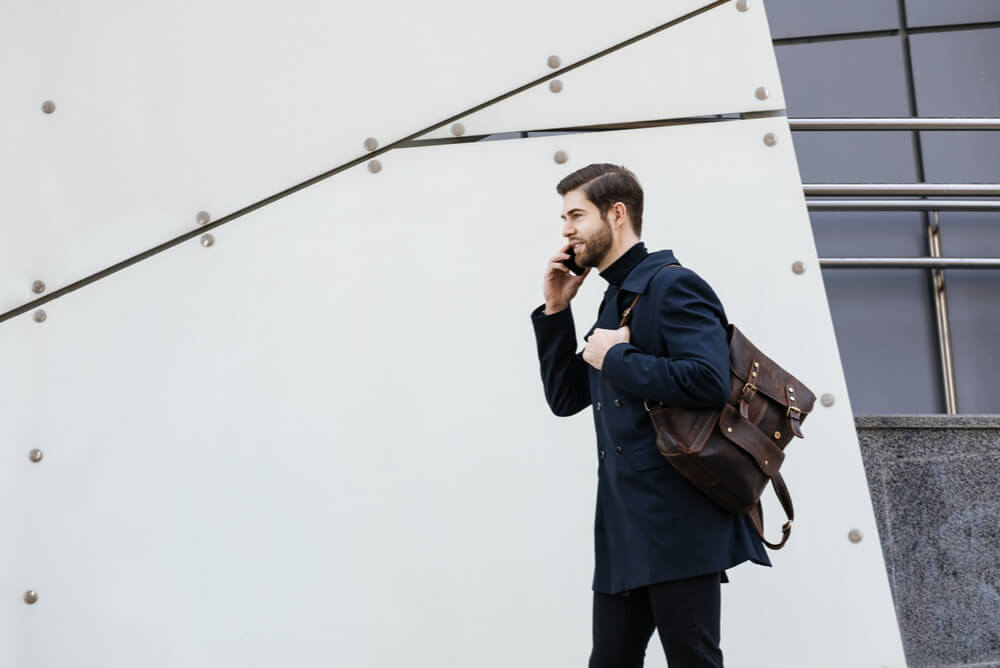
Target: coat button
600	454
598	405
618	402
618	450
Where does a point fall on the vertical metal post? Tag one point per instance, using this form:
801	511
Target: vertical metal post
943	323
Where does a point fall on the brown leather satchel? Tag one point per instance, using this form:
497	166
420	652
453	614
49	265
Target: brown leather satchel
731	453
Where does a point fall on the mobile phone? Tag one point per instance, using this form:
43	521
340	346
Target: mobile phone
571	262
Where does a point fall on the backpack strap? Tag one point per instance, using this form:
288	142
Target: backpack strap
757	514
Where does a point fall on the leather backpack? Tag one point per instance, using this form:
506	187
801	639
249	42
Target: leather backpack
731	453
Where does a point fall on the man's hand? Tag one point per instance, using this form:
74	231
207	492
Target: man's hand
560	285
599	342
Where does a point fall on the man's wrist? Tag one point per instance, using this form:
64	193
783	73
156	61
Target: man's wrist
551	309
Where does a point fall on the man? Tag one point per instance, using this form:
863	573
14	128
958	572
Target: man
661	546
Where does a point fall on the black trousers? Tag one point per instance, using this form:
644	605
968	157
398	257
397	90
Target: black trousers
684	612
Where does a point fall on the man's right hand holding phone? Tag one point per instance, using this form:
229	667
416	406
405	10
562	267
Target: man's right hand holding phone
560	284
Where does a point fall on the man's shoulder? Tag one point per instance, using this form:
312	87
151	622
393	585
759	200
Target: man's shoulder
679	283
677	276
639	278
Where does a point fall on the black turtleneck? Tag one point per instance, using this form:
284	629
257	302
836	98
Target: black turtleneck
620	268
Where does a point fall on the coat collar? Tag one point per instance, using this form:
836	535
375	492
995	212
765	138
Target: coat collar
638	279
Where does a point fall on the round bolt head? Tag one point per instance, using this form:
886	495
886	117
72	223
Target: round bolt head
742	5
560	157
458	129
40	316
827	399
855	535
761	93
36	455
770	139
48	106
374	166
203	217
554	62
555	85
799	267
30	597
371	144
38	287
207	240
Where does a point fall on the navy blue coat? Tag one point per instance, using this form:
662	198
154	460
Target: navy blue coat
651	524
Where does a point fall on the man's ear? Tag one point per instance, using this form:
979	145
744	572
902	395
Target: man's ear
619	210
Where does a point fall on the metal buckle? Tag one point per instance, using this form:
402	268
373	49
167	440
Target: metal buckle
796	409
648	409
749	385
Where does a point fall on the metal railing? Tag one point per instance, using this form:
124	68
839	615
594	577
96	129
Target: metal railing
935	262
894	123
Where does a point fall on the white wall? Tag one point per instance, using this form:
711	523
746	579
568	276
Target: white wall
323	439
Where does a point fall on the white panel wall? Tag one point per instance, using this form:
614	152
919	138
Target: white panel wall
164	109
710	64
323	440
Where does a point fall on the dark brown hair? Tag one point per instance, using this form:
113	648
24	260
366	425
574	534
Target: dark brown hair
604	184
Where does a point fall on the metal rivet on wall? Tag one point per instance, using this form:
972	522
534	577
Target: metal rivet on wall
40	316
374	166
761	93
770	139
371	144
38	287
827	399
48	106
855	535
743	5
555	85
30	597
554	62
560	157
203	218
207	240
36	455
799	267
458	129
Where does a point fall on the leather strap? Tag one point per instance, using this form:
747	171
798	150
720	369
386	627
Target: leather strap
627	315
794	413
749	389
757	514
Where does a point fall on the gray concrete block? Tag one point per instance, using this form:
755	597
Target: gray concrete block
935	483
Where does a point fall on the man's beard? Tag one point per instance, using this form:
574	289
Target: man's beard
596	247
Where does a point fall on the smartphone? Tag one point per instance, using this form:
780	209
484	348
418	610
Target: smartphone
571	263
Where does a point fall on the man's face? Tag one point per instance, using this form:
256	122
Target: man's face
584	227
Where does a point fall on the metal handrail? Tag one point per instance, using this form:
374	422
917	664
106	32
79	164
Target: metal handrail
910	262
894	123
901	205
902	189
935	263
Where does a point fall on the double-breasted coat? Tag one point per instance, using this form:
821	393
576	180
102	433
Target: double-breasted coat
651	524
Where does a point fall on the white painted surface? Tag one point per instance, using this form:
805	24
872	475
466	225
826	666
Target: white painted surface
164	109
323	441
710	64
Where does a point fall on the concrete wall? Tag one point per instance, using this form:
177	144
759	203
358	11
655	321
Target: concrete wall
935	484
